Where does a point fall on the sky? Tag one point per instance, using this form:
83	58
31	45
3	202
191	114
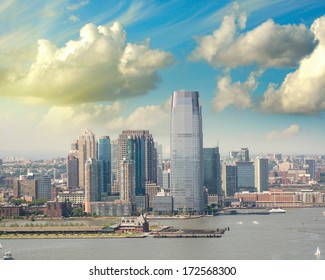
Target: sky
107	66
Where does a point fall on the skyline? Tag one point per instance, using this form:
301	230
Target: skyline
108	67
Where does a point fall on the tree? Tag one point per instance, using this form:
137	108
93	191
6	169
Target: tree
77	212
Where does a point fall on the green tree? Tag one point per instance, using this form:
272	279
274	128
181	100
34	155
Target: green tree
77	212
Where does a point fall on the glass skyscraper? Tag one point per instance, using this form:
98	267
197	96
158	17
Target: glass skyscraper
186	166
212	170
104	157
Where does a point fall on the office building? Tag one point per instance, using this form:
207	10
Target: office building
73	170
186	170
86	150
311	168
245	176
229	178
261	174
104	158
139	144
127	181
92	183
212	170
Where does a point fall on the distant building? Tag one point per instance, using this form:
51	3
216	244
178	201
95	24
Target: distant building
104	157
112	209
229	178
261	174
26	187
186	145
311	168
73	170
55	209
162	203
11	211
86	150
133	224
245	176
212	170
92	183
127	181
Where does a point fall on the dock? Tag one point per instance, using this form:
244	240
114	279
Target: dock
189	233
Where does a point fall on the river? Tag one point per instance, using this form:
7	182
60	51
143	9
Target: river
294	235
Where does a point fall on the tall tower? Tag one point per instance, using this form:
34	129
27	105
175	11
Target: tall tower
212	170
229	178
311	168
92	183
86	150
73	170
104	157
186	170
127	181
149	162
261	174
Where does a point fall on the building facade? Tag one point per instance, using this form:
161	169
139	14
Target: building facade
186	153
104	158
261	174
212	170
92	183
86	150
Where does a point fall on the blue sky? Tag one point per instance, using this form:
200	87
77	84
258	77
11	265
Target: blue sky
112	65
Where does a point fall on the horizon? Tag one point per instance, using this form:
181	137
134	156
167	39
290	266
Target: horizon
110	66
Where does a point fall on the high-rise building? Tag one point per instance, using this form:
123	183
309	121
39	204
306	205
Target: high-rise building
92	183
73	170
86	150
186	170
104	158
245	154
311	168
261	174
159	164
115	166
127	181
245	176
135	152
43	186
212	170
229	178
143	141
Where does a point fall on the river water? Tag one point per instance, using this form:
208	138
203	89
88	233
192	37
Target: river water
294	235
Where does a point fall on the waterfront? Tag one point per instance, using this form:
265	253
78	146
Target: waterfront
294	235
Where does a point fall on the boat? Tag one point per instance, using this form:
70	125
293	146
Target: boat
277	210
8	255
317	253
0	246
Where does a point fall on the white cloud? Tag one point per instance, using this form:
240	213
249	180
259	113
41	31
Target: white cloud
74	18
302	91
268	45
152	117
77	6
100	66
236	94
66	118
289	132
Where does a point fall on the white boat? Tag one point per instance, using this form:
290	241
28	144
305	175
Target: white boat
317	253
277	210
8	255
0	246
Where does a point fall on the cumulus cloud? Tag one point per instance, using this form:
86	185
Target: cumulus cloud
156	118
237	94
289	132
302	91
100	66
63	118
268	45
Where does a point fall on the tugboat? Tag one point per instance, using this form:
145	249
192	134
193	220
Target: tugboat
8	255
